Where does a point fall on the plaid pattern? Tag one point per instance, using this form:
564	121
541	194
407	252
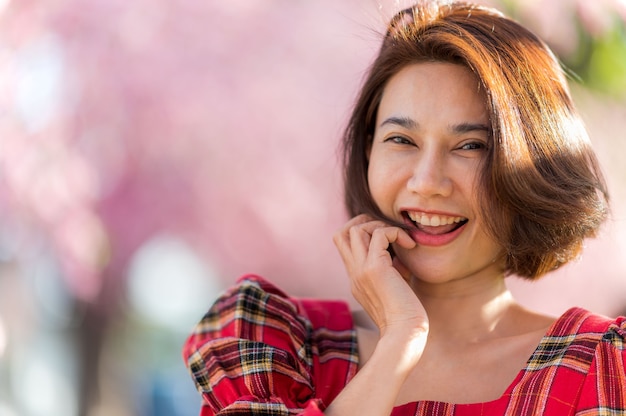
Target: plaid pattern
259	352
577	369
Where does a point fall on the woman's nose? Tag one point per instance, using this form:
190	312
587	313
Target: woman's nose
429	177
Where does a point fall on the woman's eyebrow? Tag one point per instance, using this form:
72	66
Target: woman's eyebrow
470	127
405	122
410	124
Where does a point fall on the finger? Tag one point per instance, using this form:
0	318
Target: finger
344	246
360	222
375	237
360	240
382	238
341	238
404	240
363	238
353	240
394	235
372	239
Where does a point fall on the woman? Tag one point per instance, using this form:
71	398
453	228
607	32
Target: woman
465	162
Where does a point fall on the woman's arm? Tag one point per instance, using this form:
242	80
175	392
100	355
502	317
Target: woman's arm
249	353
380	285
374	389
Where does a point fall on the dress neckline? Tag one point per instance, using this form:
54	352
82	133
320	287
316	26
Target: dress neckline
563	324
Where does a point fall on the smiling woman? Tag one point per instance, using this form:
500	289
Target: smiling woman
423	170
465	162
541	187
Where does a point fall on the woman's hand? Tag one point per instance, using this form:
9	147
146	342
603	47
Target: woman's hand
380	283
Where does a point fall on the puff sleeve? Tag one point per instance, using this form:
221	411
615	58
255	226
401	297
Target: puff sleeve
604	389
259	352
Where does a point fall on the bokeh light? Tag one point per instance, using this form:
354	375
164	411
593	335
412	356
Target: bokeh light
169	284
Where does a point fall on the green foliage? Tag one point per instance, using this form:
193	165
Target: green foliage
607	66
600	61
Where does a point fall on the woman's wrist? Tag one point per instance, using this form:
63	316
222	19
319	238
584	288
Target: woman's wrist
405	345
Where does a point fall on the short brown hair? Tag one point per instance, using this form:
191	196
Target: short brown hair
542	189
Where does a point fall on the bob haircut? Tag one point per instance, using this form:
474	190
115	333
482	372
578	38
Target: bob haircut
541	187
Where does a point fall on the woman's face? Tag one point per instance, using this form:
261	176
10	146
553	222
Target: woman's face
430	143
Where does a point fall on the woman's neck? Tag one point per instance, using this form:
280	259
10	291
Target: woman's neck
470	310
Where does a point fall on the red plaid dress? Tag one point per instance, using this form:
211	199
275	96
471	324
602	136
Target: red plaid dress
259	352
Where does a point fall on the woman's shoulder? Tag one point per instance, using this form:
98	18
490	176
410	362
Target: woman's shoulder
580	361
579	322
603	336
255	341
256	309
604	385
573	340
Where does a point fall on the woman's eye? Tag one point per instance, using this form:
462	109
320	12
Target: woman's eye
399	140
474	146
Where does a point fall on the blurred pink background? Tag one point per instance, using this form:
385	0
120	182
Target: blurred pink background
151	152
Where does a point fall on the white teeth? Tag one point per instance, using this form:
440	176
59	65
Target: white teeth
433	220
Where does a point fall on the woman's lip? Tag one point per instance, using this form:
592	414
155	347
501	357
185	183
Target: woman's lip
433	240
421	219
428	212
